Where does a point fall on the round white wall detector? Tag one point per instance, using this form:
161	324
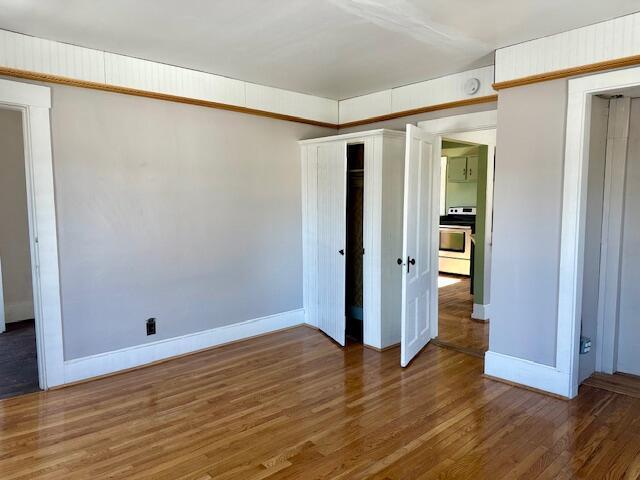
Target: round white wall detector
471	86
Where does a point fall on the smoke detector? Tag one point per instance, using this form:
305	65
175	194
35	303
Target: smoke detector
471	86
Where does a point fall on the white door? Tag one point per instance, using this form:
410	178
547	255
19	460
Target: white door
331	208
420	241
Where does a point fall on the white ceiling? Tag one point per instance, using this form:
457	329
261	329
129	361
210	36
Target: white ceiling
331	48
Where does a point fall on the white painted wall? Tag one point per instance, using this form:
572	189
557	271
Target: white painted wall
14	224
629	326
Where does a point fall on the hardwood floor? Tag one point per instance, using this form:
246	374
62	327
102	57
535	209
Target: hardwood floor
292	405
456	328
18	362
618	383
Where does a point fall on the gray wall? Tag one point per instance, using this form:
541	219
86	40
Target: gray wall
14	224
593	231
187	214
527	219
628	357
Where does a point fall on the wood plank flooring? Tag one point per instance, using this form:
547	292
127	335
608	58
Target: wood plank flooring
292	405
456	328
618	383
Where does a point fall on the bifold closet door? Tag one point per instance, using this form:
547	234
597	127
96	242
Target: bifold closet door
331	234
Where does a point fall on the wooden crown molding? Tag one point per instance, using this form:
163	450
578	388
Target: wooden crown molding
570	72
414	111
60	80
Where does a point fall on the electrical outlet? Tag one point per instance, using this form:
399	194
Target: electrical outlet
151	326
585	345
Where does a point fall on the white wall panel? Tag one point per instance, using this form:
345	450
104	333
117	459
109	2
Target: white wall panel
441	90
36	55
430	92
365	106
44	56
291	103
616	38
158	77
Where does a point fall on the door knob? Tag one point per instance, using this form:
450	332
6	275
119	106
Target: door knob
341	252
410	261
399	261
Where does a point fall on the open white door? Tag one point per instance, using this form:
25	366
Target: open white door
420	241
331	209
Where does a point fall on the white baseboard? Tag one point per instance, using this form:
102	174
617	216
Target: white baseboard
110	362
18	311
480	312
528	373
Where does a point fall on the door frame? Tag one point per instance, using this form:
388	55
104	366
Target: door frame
574	199
34	103
473	122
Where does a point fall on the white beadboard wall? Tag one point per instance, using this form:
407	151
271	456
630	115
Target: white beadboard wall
33	54
365	106
291	103
54	58
600	42
430	92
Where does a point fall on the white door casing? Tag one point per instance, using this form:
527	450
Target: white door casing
574	215
420	238
34	101
331	231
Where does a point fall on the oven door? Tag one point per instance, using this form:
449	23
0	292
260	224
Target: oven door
455	242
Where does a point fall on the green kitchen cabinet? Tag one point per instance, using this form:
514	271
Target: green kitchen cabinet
457	169
472	168
463	169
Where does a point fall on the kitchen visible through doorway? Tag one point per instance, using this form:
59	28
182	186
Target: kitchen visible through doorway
464	218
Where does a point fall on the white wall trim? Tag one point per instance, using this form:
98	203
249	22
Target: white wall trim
34	102
480	312
574	200
116	360
526	372
461	123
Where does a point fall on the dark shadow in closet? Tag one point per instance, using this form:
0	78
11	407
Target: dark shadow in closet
355	243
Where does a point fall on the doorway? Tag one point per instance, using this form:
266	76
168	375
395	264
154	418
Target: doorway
18	359
609	351
466	210
354	244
